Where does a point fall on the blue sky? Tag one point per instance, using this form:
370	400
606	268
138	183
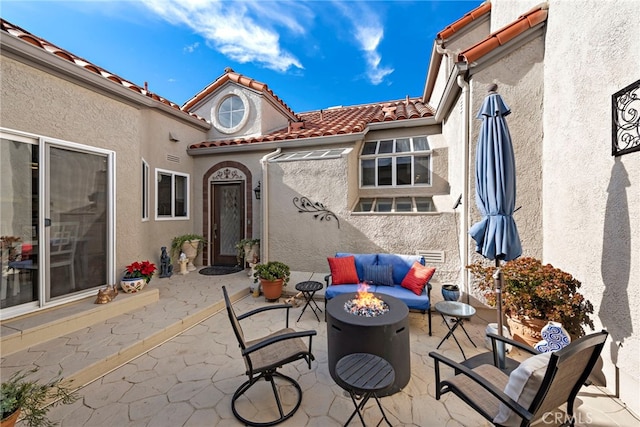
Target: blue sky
312	54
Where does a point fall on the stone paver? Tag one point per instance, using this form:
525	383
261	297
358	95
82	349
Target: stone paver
189	380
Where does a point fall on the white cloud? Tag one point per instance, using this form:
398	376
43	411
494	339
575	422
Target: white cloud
191	48
243	31
368	32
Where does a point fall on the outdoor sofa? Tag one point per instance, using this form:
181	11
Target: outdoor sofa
402	276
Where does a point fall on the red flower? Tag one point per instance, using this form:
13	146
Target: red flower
144	269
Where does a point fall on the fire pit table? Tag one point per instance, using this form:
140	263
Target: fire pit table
385	335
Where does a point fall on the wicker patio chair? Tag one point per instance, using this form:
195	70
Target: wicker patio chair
264	356
538	386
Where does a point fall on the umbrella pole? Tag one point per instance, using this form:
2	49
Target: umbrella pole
498	278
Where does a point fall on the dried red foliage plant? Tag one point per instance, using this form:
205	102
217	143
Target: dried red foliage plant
537	291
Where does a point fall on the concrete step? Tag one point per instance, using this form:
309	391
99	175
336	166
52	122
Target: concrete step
87	340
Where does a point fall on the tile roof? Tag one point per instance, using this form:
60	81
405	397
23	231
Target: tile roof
468	18
336	121
24	35
524	22
230	75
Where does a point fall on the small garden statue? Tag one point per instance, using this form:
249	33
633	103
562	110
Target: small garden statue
166	269
183	261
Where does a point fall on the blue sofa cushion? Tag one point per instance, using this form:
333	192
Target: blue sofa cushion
333	291
378	274
401	264
361	260
413	301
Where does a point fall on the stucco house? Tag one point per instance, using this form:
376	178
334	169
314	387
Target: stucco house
127	170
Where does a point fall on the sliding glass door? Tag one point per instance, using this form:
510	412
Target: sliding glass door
54	220
19	196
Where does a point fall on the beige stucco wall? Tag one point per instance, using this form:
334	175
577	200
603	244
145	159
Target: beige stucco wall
262	117
591	199
519	79
305	242
49	106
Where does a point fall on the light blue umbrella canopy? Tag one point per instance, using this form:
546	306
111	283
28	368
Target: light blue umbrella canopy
496	234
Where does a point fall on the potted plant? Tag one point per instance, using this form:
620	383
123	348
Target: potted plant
190	245
247	250
534	294
31	399
136	276
272	275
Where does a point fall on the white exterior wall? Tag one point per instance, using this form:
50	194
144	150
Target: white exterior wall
591	199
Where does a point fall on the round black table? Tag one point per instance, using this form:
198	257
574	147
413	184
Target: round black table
308	289
365	375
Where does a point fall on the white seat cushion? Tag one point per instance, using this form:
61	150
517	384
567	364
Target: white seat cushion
524	383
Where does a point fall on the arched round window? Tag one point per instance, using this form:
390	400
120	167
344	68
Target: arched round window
231	112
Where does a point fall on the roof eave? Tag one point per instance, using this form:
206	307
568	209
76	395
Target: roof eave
271	145
24	52
511	46
451	91
432	72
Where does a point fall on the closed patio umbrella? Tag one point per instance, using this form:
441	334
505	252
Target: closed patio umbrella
496	234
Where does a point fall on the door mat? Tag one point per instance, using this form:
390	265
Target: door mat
218	270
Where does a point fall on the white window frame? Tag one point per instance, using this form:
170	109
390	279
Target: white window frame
215	120
394	155
145	190
377	200
187	196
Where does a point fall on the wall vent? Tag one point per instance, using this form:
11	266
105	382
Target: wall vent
431	257
174	159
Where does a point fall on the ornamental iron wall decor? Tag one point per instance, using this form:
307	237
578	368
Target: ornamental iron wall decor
305	205
625	109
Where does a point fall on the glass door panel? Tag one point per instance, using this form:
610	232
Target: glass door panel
19	169
77	206
228	222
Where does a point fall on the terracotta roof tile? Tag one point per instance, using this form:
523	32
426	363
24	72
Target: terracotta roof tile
24	35
476	13
335	121
230	75
524	22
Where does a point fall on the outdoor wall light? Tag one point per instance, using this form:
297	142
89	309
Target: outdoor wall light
257	191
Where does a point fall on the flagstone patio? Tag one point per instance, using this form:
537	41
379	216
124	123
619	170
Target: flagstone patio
187	376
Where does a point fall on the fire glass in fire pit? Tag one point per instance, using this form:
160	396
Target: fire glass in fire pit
365	303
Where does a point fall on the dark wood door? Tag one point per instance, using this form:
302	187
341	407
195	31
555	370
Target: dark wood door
228	221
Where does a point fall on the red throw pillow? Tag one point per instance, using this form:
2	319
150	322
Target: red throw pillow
417	278
343	270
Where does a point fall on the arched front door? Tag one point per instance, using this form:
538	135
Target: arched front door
228	220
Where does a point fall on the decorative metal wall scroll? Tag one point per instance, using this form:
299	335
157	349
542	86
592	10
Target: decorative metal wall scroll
305	205
625	106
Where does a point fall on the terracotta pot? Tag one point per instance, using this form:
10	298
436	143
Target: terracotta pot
272	289
526	330
10	421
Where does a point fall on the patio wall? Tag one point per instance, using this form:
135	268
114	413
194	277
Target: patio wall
592	199
304	242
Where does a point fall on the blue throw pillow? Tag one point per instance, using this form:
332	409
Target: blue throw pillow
379	274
